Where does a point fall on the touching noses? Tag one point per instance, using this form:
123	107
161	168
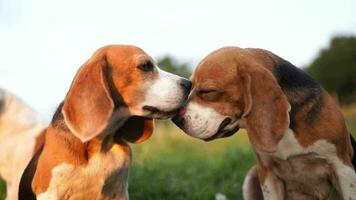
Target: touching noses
186	85
178	118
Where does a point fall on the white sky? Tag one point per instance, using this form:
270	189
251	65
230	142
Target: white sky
43	42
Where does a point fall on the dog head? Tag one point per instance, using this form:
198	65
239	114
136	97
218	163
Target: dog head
233	89
119	82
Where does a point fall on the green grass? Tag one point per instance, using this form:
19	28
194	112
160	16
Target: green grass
350	116
172	165
351	125
2	189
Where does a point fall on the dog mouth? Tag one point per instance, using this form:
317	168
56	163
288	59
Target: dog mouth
156	113
223	133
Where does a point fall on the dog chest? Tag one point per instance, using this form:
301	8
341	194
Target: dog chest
305	175
104	177
306	172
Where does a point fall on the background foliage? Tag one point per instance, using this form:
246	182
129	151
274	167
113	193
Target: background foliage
335	68
172	65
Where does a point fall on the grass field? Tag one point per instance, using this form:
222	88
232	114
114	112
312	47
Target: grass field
2	190
350	117
173	166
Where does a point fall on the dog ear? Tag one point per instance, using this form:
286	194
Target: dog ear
88	105
136	130
265	116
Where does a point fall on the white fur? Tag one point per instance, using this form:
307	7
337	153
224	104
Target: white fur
84	182
272	188
165	92
347	179
203	122
289	146
19	127
220	196
246	187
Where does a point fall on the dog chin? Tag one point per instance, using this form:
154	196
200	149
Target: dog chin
222	134
157	113
225	129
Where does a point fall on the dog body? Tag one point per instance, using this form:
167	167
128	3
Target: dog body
97	169
20	130
297	131
112	101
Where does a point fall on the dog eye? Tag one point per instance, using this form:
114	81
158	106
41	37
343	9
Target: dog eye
147	66
202	92
209	94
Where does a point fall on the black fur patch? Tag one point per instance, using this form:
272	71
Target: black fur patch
302	91
353	143
58	119
25	188
290	76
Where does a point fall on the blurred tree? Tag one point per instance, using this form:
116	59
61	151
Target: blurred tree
335	68
171	65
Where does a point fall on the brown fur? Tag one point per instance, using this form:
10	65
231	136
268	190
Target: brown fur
252	189
256	86
89	110
334	132
228	68
86	112
40	139
243	87
111	69
265	116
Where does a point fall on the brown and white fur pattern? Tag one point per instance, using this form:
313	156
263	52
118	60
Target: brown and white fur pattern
296	129
112	101
20	128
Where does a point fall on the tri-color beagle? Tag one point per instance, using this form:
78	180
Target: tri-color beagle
112	101
297	131
20	131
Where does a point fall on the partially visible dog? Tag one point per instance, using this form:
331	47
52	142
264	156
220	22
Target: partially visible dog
20	136
297	131
112	101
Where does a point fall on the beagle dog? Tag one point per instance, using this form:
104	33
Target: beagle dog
299	136
20	134
112	101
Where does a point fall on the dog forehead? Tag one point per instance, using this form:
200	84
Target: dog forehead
123	49
213	72
127	54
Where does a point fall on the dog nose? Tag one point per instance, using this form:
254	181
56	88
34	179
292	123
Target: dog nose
178	120
186	84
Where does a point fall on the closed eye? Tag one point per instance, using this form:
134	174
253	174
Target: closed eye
209	94
202	92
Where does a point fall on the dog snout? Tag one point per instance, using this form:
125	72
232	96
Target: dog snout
186	85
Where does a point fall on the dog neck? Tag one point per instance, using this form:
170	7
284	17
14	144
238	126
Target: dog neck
60	131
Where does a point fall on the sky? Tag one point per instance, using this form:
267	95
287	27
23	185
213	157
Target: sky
44	42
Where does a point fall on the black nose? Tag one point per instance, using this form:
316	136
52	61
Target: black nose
186	84
178	120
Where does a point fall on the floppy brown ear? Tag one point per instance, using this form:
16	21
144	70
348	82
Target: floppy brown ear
136	130
88	105
266	110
